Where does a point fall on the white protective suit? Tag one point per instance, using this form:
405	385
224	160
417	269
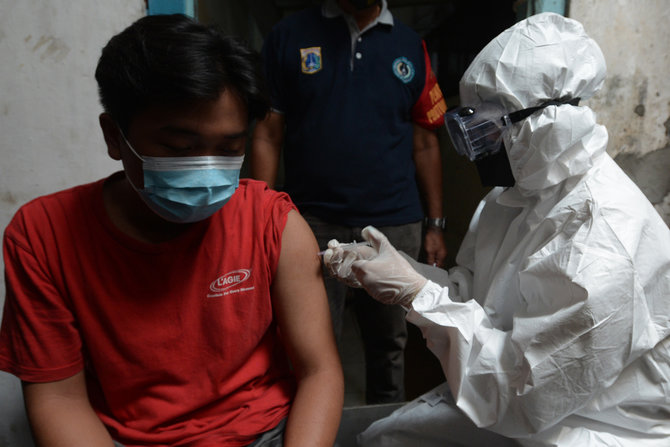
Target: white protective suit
554	330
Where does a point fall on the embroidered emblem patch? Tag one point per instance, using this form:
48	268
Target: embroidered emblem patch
310	59
403	69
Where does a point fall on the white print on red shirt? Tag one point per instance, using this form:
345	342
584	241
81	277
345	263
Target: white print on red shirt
227	284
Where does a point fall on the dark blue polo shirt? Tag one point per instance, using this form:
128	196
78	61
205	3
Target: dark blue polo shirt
348	137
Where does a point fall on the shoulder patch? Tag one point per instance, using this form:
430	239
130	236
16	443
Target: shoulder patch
310	60
403	69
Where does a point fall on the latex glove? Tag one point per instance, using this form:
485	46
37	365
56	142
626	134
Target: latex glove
388	277
339	257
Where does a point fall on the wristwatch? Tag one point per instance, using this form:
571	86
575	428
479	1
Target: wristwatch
435	222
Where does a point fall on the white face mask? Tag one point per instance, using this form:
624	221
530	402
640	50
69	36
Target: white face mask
187	189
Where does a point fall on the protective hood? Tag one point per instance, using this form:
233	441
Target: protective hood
553	326
544	57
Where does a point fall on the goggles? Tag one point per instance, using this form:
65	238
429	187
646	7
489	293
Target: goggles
478	132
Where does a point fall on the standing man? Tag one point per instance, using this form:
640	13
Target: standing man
356	105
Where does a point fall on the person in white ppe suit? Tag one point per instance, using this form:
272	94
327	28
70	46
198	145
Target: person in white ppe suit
553	328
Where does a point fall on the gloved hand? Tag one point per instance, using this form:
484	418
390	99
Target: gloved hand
387	277
339	257
381	270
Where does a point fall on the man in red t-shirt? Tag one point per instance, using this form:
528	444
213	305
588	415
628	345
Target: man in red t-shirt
171	303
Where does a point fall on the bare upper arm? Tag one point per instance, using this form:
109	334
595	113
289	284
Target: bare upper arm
72	388
266	145
424	139
271	128
300	301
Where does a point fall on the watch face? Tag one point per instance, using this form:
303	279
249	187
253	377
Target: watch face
436	222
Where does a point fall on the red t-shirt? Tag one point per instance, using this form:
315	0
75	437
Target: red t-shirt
177	339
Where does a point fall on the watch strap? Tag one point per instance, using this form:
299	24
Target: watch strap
435	222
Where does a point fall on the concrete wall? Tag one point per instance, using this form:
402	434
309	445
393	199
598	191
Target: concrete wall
634	103
49	134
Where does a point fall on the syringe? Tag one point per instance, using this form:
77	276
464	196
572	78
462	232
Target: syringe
348	245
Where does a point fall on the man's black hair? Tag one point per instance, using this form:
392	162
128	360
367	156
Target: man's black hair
172	59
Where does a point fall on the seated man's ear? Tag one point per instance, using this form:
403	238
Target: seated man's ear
112	135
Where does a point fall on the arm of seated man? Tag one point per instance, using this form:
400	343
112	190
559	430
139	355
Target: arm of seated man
301	306
60	414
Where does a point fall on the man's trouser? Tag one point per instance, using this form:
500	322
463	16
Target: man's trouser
383	327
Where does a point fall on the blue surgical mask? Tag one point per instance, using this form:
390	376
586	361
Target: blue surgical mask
187	189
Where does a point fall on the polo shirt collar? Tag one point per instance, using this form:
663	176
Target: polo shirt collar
331	9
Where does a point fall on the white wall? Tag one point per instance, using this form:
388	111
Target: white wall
634	103
49	134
